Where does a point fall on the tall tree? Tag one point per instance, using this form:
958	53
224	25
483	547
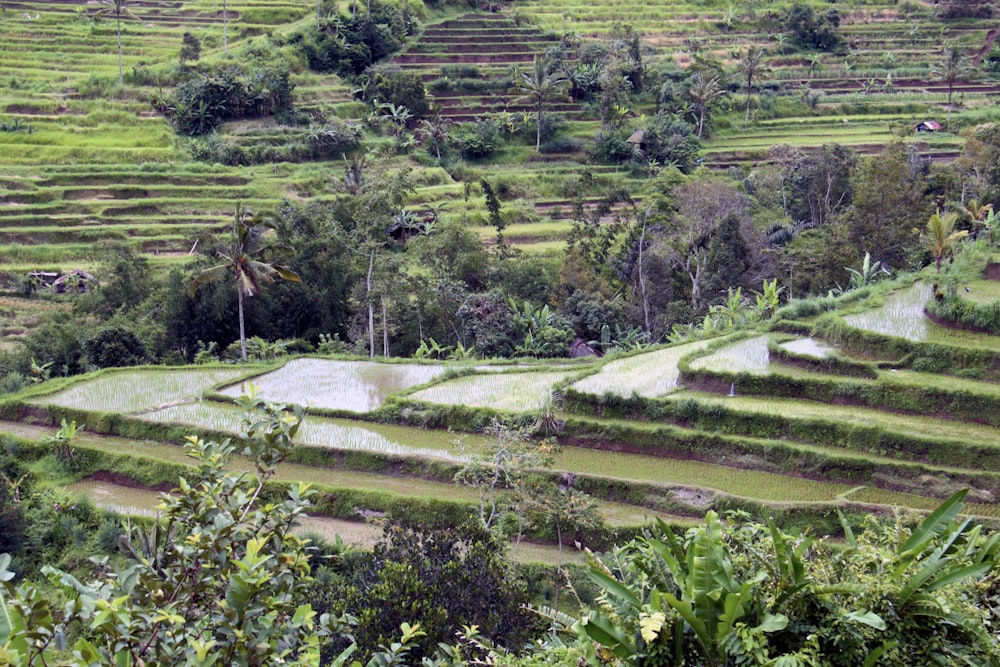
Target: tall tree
374	198
538	85
953	66
889	193
118	9
243	262
752	67
703	91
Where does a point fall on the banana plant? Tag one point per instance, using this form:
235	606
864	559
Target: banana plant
690	591
697	598
938	553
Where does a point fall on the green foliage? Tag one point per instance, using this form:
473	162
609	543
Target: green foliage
402	89
114	346
218	564
477	140
671	141
190	49
812	32
751	594
205	101
967	313
440	578
349	45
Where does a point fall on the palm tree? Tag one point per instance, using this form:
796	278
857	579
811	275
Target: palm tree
954	66
752	66
240	263
435	132
941	236
118	9
703	92
354	181
538	85
977	212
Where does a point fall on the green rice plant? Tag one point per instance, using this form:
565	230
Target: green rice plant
505	392
133	391
808	347
756	484
901	315
127	500
316	431
649	374
745	356
355	386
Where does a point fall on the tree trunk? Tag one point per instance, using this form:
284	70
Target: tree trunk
746	120
243	334
701	119
385	329
538	129
642	278
371	306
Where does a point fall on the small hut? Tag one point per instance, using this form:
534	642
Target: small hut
929	126
638	140
581	348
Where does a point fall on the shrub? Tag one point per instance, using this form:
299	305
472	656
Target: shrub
610	146
561	145
478	140
114	346
205	101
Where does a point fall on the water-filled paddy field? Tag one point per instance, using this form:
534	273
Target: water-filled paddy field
745	356
137	390
902	314
513	392
650	374
355	386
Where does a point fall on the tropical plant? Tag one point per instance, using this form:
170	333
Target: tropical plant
118	9
978	212
703	91
768	299
867	274
354	181
538	86
240	263
733	313
61	442
953	66
396	115
752	67
749	594
435	133
941	236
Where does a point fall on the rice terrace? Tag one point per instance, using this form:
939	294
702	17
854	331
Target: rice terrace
547	278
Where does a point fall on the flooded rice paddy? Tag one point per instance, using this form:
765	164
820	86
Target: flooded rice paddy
745	356
132	391
513	392
902	314
355	386
651	374
808	347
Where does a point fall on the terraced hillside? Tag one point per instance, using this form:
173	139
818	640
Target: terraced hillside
83	160
773	423
467	64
